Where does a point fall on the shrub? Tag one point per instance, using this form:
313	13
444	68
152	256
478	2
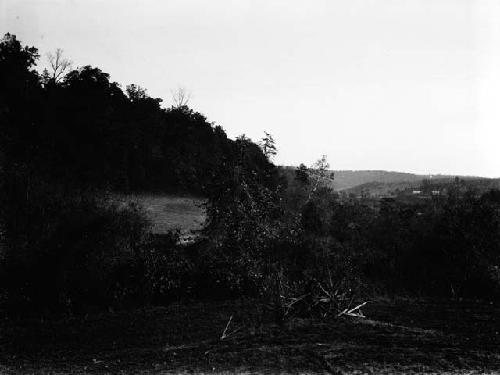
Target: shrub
311	277
168	269
66	250
445	248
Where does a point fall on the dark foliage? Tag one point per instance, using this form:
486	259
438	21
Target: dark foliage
83	130
67	252
65	140
446	247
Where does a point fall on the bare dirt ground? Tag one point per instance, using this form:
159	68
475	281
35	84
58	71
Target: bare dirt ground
396	337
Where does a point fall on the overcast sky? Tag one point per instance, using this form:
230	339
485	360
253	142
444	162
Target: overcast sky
384	84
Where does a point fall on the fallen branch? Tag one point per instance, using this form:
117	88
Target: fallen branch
352	312
224	334
325	291
293	301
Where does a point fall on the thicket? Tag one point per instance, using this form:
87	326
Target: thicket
84	130
443	247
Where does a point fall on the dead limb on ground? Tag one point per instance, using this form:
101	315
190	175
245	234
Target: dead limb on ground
226	333
355	312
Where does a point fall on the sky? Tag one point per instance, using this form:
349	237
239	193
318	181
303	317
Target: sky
403	85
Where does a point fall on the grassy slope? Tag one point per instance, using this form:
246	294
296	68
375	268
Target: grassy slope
406	337
171	212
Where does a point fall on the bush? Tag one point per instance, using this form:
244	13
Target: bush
446	248
66	250
311	277
168	269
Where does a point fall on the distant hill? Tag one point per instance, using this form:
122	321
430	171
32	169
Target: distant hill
348	179
376	188
380	182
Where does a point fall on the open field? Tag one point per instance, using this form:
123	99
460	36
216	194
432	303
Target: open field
404	337
171	212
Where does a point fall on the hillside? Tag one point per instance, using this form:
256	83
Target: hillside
349	179
380	182
377	188
86	131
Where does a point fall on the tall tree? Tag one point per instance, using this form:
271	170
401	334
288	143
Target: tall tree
268	146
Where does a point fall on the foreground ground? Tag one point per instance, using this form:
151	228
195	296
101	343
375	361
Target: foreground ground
396	337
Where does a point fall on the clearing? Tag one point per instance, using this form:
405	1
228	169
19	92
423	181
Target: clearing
172	212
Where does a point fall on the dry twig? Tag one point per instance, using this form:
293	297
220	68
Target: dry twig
226	332
351	312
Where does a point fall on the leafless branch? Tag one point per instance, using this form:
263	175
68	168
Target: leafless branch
226	332
59	64
181	97
351	312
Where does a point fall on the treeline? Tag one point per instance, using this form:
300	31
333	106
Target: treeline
448	247
82	129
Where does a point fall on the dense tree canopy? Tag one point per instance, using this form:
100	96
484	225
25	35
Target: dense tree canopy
84	130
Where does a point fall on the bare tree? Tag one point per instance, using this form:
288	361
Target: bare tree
59	65
181	97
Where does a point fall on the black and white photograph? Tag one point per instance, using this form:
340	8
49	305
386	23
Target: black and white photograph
249	187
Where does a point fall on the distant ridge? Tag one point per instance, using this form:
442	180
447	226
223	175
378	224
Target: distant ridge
382	180
346	179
